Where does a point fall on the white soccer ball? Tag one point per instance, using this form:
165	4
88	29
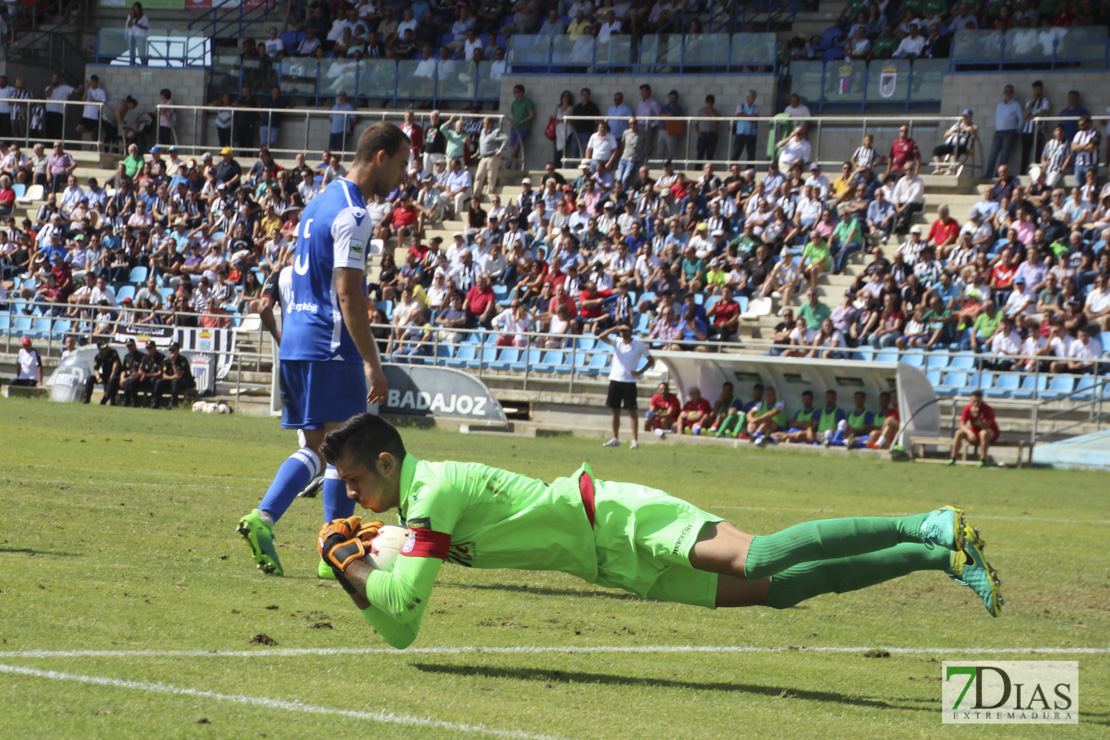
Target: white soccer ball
198	406
386	547
223	408
211	408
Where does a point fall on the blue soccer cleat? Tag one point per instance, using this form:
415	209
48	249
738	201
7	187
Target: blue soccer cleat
944	527
969	568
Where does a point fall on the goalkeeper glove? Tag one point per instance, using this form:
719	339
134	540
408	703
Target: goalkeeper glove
339	544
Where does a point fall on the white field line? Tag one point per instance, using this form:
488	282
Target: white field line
126	483
530	649
267	703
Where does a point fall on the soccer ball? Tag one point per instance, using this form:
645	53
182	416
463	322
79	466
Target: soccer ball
223	408
211	408
198	406
386	546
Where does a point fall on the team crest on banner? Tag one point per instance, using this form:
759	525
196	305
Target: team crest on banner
888	81
844	80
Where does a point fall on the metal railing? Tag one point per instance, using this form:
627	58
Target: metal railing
575	362
51	50
1029	48
163	47
833	139
226	15
369	79
660	53
198	136
72	111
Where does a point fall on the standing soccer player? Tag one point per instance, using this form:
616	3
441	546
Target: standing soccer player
328	354
617	535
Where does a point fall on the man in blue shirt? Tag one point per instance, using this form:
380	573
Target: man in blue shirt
746	132
342	124
327	351
1008	117
1073	109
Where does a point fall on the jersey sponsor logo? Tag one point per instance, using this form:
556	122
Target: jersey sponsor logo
423	522
462	553
356	248
682	538
358	214
424	543
301	268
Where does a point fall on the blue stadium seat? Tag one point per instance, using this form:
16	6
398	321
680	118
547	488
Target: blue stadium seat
165	293
21	325
886	357
830	37
586	342
556	361
598	364
138	275
1031	385
528	361
464	354
711	302
40	328
1003	386
126	291
962	362
1059	385
933	376
937	360
976	380
648	296
290	39
1104	340
5	321
500	292
743	301
443	353
953	381
914	358
20	189
830	55
643	324
506	358
386	306
485	358
1085	388
864	353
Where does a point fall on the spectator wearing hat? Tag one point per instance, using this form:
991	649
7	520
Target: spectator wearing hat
175	376
30	365
228	171
107	368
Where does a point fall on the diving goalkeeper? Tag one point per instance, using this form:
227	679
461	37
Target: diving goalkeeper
617	535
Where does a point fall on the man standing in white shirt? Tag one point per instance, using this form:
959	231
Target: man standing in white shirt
908	198
602	146
90	114
6	91
1008	117
627	354
55	112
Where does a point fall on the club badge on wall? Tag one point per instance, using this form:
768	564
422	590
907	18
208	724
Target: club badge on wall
888	81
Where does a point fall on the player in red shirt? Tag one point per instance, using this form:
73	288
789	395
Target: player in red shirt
902	151
977	426
694	411
662	411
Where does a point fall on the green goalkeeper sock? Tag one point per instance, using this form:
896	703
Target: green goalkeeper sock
842	575
825	539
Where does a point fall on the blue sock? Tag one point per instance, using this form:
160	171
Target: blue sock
293	475
336	503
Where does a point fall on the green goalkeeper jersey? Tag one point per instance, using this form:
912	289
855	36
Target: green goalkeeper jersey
480	516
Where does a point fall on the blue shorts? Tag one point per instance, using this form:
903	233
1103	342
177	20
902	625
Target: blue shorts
313	393
516	136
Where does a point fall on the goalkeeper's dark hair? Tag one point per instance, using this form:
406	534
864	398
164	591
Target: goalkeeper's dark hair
361	439
382	136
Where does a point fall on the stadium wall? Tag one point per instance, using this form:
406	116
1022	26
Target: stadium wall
982	91
544	91
189	87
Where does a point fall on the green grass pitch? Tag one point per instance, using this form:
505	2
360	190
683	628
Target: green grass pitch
118	535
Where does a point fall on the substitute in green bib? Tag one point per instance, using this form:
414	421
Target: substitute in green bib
617	535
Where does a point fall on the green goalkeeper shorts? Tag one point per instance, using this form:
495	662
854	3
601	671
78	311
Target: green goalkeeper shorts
644	537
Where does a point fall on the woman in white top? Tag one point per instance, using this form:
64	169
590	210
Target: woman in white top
514	321
138	28
564	109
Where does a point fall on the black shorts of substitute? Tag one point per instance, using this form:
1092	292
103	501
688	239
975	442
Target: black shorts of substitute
621	395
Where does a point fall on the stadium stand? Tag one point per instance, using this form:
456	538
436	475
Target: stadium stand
900	255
